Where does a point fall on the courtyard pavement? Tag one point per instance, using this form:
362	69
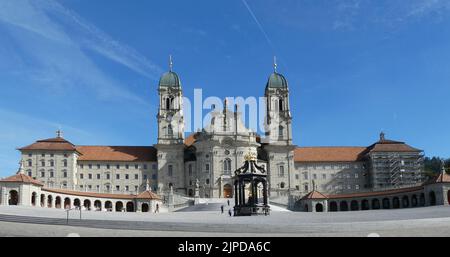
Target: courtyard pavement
35	221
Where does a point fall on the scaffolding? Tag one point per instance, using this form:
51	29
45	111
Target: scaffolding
396	170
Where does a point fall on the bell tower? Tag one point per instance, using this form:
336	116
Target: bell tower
278	123
170	144
170	113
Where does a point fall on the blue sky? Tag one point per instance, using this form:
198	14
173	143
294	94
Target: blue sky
355	67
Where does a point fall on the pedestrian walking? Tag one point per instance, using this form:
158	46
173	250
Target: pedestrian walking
228	201
229	212
221	208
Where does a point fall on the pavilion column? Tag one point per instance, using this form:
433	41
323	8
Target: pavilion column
236	194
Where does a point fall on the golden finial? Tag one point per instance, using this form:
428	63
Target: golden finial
275	63
250	156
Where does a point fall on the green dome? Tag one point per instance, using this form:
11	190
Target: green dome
276	80
169	79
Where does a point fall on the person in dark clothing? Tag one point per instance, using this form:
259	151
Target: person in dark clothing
228	201
221	208
229	212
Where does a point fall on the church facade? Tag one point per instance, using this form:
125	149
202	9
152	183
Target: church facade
208	158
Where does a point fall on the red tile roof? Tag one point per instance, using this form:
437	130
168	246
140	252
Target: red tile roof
328	154
385	145
190	140
52	144
150	195
117	153
314	195
22	178
441	178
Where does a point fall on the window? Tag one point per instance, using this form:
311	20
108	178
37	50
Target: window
207	181
297	176
207	167
136	188
117	188
90	176
81	166
65	163
145	177
280	131
30	174
30	163
154	176
98	187
154	166
90	187
118	166
52	163
127	166
98	176
136	166
227	166
136	176
306	187
108	166
108	176
356	187
43	163
305	175
127	188
90	166
98	166
81	176
324	176
81	186
65	155
314	176
43	155
65	174
42	174
170	170
108	188
349	187
297	187
356	175
29	155
170	130
117	176
281	171
127	176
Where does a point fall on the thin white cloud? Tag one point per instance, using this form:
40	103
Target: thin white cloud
57	41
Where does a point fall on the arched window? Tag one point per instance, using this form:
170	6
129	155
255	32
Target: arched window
172	106
227	166
282	185
170	130
280	105
280	131
281	171
213	120
170	170
167	103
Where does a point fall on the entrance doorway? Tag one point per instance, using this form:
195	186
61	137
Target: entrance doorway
227	191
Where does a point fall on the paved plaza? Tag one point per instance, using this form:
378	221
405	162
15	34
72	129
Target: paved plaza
29	221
